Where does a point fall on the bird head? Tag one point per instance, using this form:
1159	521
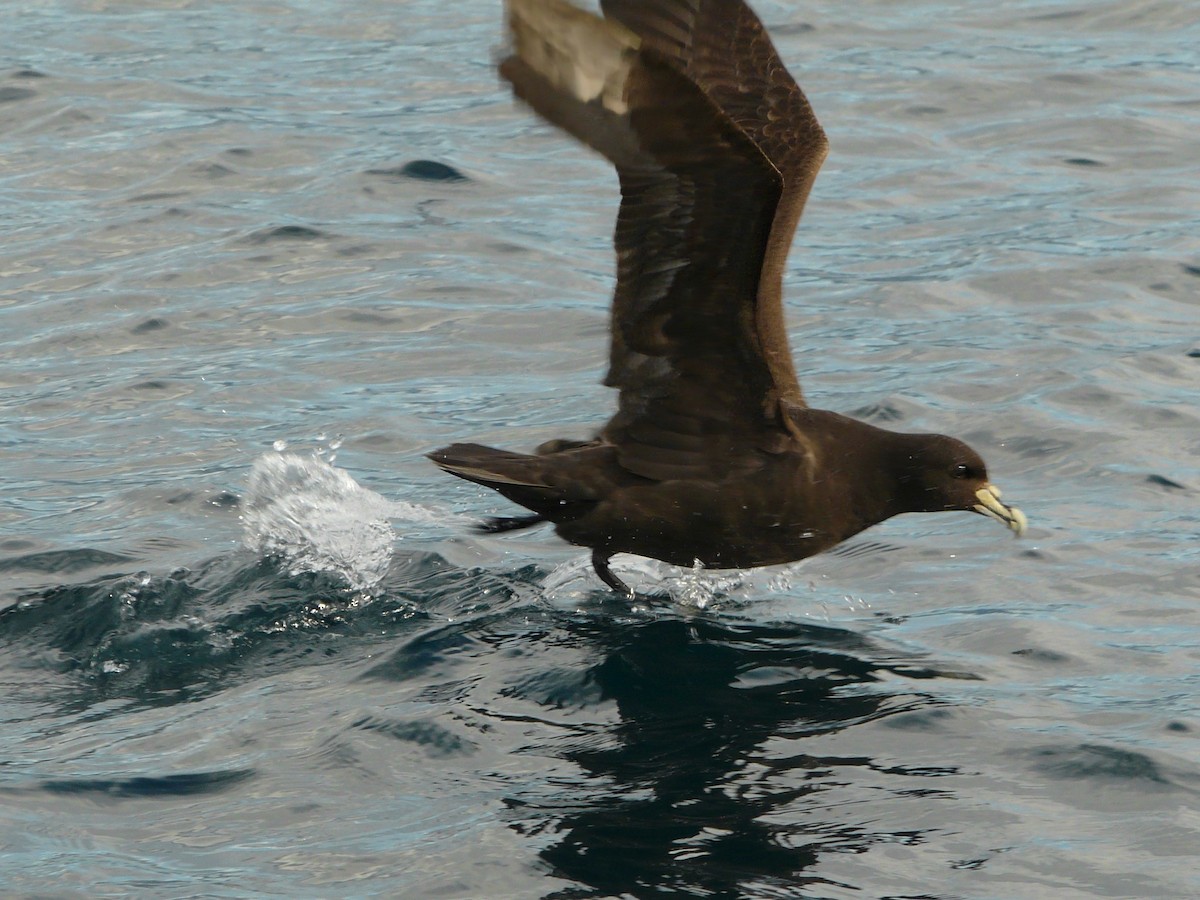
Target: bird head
942	473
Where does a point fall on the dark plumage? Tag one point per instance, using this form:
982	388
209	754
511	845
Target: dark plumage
713	455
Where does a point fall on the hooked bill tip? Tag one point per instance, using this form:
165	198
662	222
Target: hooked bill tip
989	505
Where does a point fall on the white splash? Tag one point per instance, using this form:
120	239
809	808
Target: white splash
318	519
697	587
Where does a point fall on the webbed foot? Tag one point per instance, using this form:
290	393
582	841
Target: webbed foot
600	564
498	524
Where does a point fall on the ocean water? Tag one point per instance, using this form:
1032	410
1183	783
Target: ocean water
257	258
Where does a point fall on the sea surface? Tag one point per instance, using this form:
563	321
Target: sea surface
257	258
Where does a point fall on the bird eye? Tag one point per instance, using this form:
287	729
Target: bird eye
960	471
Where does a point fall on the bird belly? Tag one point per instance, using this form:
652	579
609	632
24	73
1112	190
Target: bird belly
720	525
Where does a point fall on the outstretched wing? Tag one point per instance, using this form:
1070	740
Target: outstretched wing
724	48
716	149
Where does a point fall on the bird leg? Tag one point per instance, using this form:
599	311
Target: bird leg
600	564
497	524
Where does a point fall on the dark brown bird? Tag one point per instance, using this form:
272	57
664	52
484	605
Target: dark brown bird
713	455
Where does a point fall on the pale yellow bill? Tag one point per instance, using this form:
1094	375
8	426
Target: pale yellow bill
989	504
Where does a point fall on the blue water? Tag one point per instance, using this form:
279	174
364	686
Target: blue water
257	258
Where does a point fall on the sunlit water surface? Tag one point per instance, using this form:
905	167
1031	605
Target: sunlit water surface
258	257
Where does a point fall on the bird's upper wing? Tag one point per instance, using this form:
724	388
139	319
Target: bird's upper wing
716	149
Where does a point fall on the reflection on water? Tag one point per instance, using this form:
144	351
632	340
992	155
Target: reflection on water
698	787
636	752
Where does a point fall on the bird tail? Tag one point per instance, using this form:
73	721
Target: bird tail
523	478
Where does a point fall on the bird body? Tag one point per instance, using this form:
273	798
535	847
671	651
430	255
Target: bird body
713	455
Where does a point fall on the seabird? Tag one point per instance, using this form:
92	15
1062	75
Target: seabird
713	456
